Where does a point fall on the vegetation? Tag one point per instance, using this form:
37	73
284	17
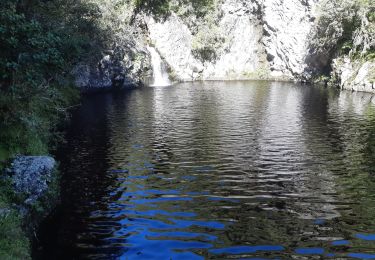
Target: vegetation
345	29
208	41
40	43
162	8
13	241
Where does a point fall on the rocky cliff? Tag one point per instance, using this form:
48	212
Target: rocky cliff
238	39
342	43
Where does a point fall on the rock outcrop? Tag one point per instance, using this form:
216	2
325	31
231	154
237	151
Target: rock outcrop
287	26
237	39
125	62
259	39
125	66
356	75
173	39
343	42
31	176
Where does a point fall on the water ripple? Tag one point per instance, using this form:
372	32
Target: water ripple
238	170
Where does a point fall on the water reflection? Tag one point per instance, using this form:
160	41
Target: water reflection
218	170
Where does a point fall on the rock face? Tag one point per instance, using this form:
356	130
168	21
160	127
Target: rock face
259	39
125	66
173	40
236	39
354	75
31	175
343	39
242	54
125	62
287	26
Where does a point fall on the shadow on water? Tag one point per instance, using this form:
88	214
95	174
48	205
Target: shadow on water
217	170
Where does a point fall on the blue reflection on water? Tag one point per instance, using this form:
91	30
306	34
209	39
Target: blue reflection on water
207	224
340	242
368	237
361	255
310	251
143	248
151	213
146	234
181	234
246	249
319	221
163	199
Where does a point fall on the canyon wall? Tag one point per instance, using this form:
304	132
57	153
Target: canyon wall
250	39
301	40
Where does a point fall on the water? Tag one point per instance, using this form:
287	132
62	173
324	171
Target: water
239	170
160	75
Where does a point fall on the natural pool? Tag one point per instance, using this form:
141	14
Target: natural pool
217	170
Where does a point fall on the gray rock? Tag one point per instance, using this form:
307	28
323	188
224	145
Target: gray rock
287	27
355	75
235	39
127	65
267	38
125	62
31	174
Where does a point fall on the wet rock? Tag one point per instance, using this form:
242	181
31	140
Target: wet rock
31	175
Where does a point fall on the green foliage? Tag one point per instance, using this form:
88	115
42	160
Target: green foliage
208	41
261	73
155	7
40	41
13	241
162	8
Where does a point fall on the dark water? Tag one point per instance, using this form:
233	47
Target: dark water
240	170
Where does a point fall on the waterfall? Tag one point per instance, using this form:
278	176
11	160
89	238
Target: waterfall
160	76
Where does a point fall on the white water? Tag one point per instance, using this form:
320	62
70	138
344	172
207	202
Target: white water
160	76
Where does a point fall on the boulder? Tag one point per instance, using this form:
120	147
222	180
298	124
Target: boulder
31	175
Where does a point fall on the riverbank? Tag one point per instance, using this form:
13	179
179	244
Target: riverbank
29	190
41	42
